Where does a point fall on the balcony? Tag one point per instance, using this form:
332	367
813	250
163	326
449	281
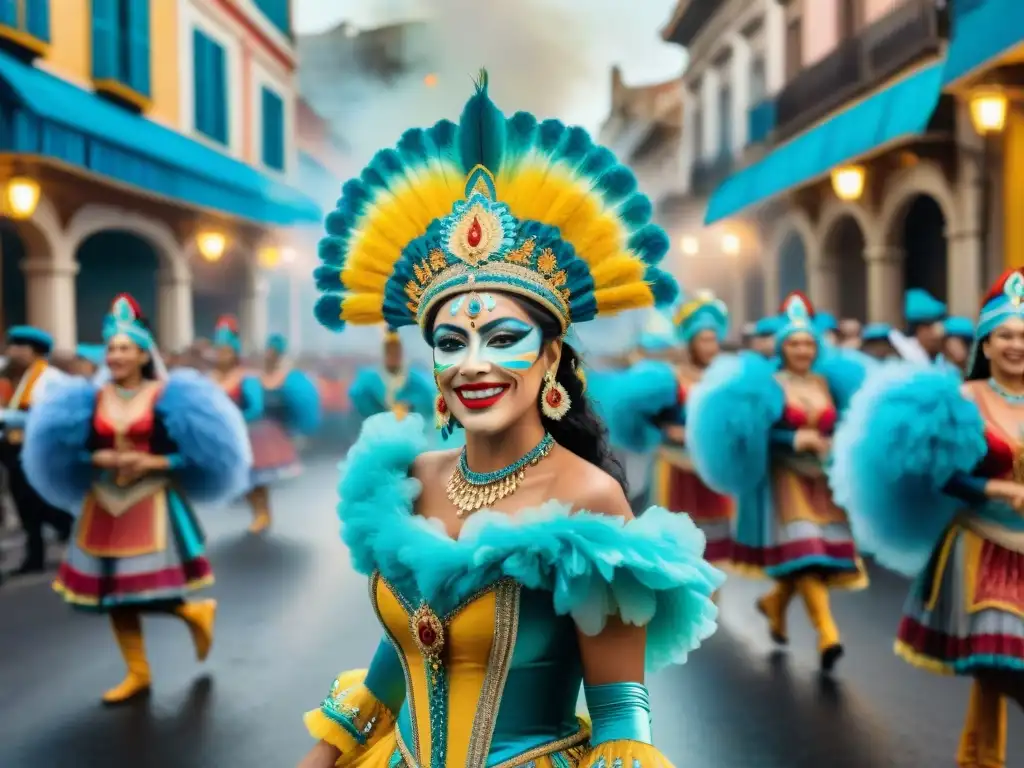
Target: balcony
913	32
708	173
761	121
690	17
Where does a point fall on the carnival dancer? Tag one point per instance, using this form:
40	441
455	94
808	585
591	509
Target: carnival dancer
129	456
760	431
924	315
508	572
957	345
876	343
291	408
394	387
930	472
32	379
244	388
763	340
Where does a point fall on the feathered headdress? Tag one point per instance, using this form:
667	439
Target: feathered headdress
797	315
126	319
704	312
491	203
1004	301
226	333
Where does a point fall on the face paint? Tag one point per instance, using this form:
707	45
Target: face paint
505	342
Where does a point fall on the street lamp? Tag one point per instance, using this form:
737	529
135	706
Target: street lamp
730	245
988	111
211	245
22	197
848	182
269	257
690	246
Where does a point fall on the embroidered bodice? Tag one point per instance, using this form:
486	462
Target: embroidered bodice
124	424
808	407
1004	428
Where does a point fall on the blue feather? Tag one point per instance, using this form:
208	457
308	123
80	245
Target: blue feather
387	163
327	311
520	132
636	211
576	143
302	401
367	392
332	249
338	223
663	286
729	415
481	131
631	400
907	432
617	184
252	399
56	436
598	161
650	571
327	278
415	147
211	436
549	134
845	370
650	243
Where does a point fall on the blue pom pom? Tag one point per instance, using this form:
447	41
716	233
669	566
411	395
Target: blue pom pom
549	134
597	161
331	250
663	286
327	278
328	311
650	243
338	222
617	184
636	211
576	143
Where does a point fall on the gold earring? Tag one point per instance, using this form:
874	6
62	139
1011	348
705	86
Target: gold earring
554	400
442	416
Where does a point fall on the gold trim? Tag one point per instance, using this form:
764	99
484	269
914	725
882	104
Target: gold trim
121	91
546	749
24	40
506	630
376	579
160	523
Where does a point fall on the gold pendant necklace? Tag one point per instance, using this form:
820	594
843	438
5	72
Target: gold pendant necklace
469	491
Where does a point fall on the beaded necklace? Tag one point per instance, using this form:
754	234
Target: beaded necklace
469	491
1010	397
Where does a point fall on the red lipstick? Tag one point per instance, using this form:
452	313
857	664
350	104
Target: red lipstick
480	395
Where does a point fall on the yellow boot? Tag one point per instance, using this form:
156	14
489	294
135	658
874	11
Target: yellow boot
815	594
991	741
259	500
967	751
128	632
199	617
773	607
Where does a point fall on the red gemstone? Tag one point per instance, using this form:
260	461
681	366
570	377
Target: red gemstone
426	634
442	406
475	234
554	398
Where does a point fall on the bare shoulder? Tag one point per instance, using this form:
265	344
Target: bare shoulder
971	389
430	464
588	487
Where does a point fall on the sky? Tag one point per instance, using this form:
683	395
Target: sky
574	42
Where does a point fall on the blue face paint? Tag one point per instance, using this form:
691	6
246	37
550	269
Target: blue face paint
505	342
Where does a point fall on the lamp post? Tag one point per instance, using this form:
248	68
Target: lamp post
211	245
20	200
848	182
988	115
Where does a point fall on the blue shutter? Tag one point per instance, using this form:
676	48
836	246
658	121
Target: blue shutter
37	19
200	80
138	46
9	13
273	130
105	40
218	93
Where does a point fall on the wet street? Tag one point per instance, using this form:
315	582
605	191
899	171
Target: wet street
292	614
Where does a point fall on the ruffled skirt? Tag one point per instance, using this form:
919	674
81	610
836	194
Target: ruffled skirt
790	525
274	454
678	488
152	552
965	611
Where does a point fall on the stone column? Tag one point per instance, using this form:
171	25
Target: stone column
739	76
885	284
964	272
253	311
50	289
175	326
774	46
709	86
823	283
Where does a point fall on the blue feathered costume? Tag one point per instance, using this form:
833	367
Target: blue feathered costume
494	604
129	466
929	470
743	423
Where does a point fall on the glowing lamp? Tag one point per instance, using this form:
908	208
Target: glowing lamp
211	245
430	80
22	197
269	257
690	246
730	245
848	182
988	111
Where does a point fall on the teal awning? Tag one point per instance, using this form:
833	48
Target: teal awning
43	115
982	31
900	111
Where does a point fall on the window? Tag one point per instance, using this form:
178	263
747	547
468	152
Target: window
278	13
273	130
120	49
758	79
26	24
794	48
724	121
849	19
210	84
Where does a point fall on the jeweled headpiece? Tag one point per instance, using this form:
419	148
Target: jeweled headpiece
126	319
490	204
797	316
1004	301
226	333
703	312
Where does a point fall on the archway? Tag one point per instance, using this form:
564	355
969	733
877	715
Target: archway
844	244
111	262
923	239
13	292
792	262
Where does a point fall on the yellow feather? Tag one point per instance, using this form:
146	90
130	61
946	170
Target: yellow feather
623	297
362	308
363	281
618	270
